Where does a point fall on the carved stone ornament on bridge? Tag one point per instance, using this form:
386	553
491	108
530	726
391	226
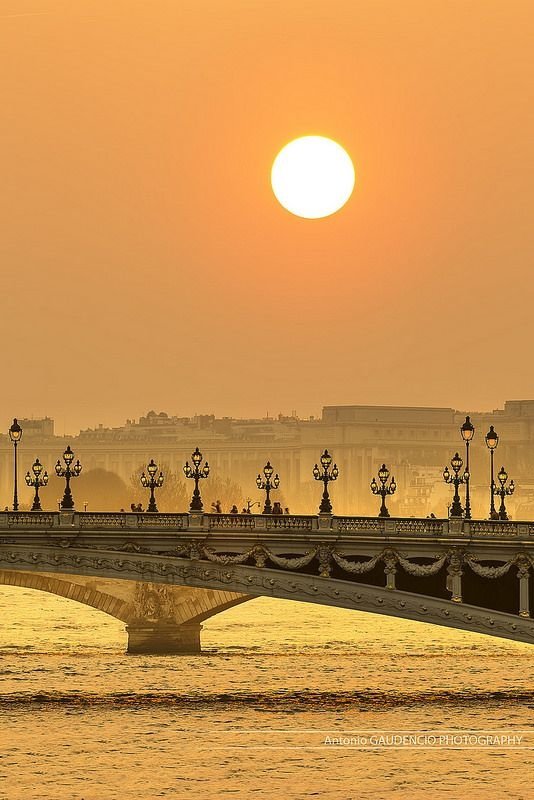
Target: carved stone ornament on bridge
324	557
456	559
355	567
523	566
497	572
422	570
153	602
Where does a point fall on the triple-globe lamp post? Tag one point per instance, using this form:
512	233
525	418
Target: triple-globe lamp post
456	479
68	473
39	479
326	474
197	473
503	491
152	483
15	434
267	484
382	489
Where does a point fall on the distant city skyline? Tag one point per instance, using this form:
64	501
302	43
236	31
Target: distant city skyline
416	443
118	420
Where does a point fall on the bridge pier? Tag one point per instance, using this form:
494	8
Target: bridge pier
163	639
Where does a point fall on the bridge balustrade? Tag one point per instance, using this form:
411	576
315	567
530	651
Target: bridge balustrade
493	528
290	522
419	526
30	519
175	521
230	521
98	521
358	524
320	524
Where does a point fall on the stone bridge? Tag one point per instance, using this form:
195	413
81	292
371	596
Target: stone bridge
163	574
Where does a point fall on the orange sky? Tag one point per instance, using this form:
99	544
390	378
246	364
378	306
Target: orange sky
146	263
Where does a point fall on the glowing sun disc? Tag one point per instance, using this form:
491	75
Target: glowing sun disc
312	177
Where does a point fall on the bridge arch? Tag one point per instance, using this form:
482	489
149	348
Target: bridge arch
64	586
160	619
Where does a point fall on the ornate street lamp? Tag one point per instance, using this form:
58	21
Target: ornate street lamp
67	472
40	479
15	434
456	479
502	491
468	431
197	474
328	474
152	483
492	440
268	484
382	489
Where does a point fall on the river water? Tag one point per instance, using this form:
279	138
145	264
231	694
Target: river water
289	700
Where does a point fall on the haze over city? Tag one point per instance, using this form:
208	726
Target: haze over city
146	261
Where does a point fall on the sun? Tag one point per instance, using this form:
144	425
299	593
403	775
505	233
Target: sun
312	177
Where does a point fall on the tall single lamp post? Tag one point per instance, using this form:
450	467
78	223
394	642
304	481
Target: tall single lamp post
152	483
468	431
68	473
197	473
382	489
456	479
503	491
15	434
326	474
39	479
492	440
268	484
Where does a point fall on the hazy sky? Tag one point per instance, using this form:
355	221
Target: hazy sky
147	264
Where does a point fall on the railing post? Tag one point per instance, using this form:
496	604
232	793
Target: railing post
69	519
455	526
523	573
196	521
324	521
